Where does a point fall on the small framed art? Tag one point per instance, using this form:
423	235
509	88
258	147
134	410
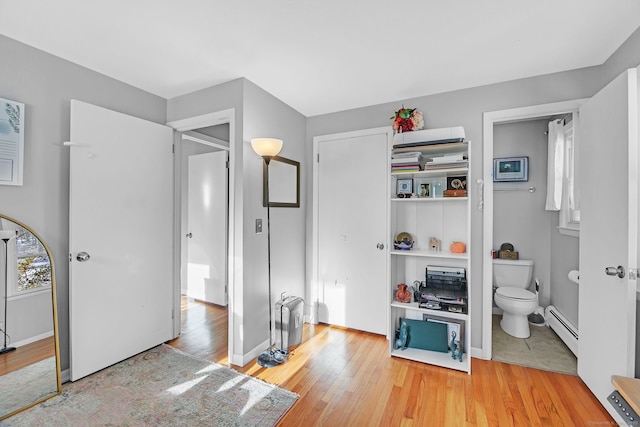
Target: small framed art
11	142
404	186
423	188
511	169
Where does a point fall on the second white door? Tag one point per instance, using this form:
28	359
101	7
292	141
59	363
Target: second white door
207	237
352	188
608	235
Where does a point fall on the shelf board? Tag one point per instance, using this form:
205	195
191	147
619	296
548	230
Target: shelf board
414	307
433	358
435	172
429	254
428	199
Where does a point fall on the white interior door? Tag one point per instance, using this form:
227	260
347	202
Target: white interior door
207	238
121	215
608	234
352	221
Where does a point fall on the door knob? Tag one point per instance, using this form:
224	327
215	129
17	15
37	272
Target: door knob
613	271
189	235
83	256
380	246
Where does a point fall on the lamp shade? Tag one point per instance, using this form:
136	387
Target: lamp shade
8	234
266	146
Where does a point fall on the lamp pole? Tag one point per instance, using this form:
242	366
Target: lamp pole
267	160
4	348
267	148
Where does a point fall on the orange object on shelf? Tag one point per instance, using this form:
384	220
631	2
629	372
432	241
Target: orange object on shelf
458	248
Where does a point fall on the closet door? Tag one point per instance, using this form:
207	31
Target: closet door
608	234
351	234
207	237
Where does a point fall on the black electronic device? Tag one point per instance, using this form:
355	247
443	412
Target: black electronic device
445	288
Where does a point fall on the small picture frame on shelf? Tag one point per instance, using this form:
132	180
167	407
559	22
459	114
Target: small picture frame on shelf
404	187
456	183
423	188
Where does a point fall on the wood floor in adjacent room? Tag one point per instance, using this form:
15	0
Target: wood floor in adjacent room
345	377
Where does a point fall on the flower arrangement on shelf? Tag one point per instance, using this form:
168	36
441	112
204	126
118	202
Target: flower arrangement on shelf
407	119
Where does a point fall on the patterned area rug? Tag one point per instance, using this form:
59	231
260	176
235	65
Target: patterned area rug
162	387
28	384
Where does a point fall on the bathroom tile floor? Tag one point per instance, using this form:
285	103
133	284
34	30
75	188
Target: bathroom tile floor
542	350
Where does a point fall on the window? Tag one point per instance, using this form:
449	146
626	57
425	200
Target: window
570	208
33	265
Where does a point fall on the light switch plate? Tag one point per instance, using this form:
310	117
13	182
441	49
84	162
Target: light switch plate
258	225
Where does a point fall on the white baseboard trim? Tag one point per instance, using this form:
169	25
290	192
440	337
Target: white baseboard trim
32	339
241	360
65	376
476	353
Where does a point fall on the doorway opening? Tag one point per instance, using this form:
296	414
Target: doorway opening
536	239
205	235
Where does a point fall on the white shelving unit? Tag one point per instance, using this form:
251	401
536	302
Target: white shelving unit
445	218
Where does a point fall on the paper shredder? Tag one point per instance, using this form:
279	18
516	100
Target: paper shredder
289	320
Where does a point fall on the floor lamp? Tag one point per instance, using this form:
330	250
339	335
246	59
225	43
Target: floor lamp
6	235
267	148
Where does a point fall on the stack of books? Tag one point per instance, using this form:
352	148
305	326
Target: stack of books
407	161
442	144
447	161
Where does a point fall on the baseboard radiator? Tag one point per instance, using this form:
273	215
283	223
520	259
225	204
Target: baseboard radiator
563	328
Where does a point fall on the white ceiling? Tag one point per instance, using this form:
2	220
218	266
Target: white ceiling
325	55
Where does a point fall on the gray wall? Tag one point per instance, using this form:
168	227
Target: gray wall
626	56
46	84
258	114
267	116
465	108
519	217
219	98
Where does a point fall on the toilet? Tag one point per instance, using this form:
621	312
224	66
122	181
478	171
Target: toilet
512	278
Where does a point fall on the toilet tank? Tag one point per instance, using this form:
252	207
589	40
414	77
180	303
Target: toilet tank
513	273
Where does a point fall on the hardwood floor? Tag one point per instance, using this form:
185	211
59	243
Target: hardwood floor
27	355
204	331
345	377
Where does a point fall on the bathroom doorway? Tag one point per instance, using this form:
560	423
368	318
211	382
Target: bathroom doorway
514	213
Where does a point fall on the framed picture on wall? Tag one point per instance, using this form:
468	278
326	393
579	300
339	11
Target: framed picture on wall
284	183
508	169
11	142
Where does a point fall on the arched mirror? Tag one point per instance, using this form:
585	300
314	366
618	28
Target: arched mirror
29	353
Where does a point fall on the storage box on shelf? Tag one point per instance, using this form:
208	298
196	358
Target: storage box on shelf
429	213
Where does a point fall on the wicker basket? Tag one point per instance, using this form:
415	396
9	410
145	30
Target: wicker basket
508	254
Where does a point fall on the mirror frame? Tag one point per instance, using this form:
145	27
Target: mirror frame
281	204
55	321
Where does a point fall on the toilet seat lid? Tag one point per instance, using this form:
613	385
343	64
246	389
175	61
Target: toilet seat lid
515	293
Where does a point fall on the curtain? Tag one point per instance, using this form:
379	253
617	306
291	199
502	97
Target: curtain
574	195
555	165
